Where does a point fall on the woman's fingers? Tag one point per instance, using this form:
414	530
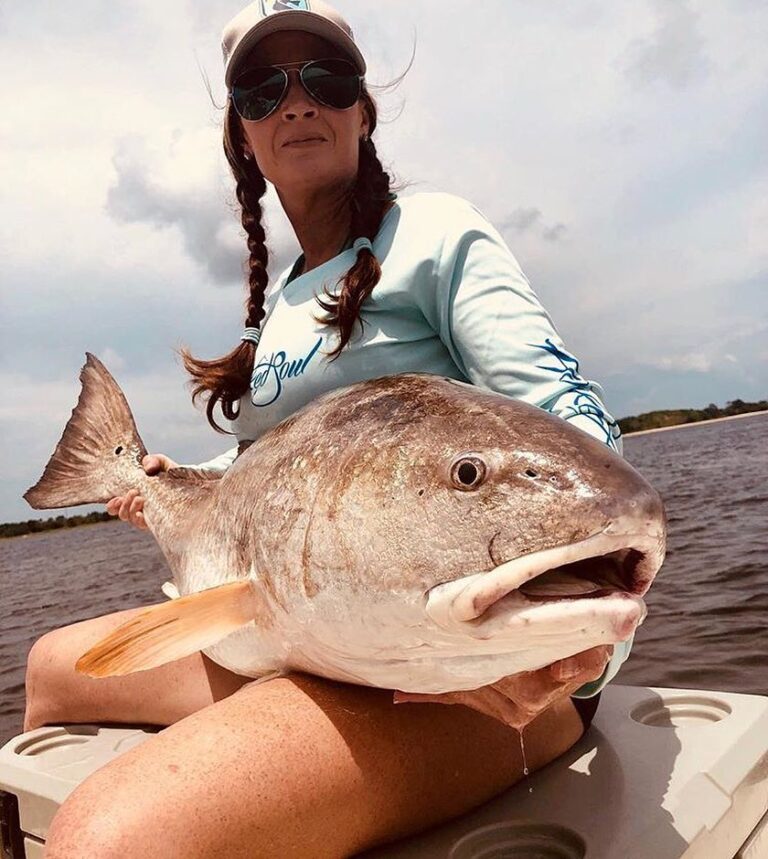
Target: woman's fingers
582	667
130	507
125	508
154	463
533	691
135	513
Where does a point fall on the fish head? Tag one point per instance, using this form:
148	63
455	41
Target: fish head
514	532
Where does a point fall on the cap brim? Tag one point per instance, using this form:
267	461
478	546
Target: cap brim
307	22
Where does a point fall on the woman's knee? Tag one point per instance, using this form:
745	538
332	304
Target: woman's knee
94	822
55	692
44	668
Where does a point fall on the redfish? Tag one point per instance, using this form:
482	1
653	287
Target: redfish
410	532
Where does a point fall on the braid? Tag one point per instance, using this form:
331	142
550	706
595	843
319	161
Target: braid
369	197
251	187
224	380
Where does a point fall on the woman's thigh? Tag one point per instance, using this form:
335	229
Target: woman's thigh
160	696
299	767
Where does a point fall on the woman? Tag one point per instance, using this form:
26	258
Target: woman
302	766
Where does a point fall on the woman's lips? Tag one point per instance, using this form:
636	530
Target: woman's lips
308	142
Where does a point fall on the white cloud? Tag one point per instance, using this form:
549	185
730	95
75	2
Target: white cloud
193	204
111	359
674	53
696	362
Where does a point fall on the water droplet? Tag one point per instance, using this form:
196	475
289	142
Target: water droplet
522	752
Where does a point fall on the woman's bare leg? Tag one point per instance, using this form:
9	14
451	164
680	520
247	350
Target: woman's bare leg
299	767
56	693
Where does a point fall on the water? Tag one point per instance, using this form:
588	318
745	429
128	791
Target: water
707	624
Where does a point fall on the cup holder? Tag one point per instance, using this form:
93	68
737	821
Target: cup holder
680	711
55	738
520	841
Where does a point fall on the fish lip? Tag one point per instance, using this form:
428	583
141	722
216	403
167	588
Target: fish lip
481	591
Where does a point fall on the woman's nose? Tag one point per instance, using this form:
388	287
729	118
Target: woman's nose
297	102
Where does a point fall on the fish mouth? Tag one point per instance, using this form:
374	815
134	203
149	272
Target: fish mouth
606	566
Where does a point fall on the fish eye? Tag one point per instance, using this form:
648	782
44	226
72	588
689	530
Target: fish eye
468	471
118	450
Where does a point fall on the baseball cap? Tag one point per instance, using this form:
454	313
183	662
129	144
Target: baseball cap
263	17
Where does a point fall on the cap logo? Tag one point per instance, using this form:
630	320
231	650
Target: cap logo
269	7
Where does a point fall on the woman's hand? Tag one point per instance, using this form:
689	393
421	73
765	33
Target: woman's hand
129	507
531	692
518	699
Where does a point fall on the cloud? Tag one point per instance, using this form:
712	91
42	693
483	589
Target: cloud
521	220
163	186
197	211
696	362
112	359
524	220
554	234
673	53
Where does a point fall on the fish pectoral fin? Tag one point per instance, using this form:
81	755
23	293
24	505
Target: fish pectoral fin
172	630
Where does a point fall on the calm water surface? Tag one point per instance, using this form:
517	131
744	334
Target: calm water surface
707	624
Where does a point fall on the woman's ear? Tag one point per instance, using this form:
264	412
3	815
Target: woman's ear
364	126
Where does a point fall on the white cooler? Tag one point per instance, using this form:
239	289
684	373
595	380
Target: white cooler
661	774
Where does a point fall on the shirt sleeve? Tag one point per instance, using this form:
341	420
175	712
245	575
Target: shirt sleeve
502	339
219	463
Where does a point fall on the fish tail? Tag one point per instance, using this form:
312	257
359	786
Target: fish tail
172	630
99	450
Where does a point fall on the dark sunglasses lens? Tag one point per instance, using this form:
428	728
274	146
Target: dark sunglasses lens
334	83
257	92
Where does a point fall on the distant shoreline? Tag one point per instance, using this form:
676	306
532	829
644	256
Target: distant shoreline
695	423
12	530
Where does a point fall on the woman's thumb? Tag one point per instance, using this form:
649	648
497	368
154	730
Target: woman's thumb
154	463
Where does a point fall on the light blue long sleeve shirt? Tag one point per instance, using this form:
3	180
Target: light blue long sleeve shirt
452	300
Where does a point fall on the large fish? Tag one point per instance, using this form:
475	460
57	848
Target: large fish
410	532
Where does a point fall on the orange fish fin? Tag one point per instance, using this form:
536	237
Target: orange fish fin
173	630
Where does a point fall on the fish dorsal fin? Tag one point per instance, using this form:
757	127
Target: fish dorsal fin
175	629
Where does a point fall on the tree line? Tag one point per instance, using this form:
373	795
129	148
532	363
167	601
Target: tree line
675	417
34	526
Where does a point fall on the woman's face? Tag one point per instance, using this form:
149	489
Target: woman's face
328	161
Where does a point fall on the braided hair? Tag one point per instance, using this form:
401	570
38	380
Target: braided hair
225	380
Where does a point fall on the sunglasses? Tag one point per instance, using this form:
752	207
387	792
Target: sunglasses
257	92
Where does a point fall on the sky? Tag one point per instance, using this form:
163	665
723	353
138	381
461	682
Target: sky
619	147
